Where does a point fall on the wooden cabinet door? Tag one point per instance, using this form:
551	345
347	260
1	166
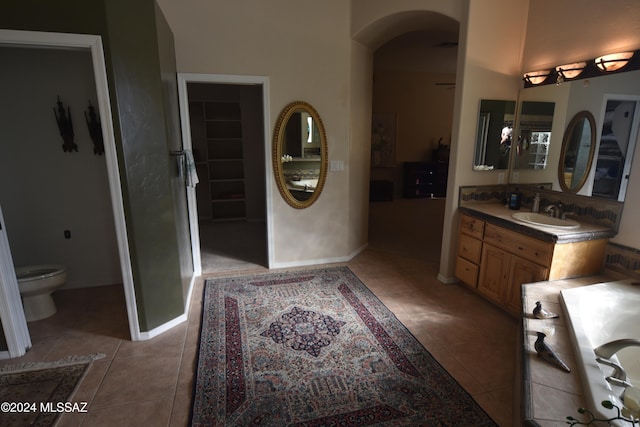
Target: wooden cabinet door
522	271
467	272
494	272
472	226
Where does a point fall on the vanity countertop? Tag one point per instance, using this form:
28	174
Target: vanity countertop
498	214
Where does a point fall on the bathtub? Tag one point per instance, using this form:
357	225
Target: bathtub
598	314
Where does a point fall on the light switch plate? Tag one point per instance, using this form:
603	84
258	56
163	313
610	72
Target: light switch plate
336	165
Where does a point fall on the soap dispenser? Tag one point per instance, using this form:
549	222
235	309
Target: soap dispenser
515	198
535	207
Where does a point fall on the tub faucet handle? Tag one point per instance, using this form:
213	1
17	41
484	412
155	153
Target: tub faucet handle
618	383
619	373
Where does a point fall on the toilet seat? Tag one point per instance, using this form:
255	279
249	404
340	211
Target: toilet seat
38	272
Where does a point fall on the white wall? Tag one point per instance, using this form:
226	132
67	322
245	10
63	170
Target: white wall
489	63
312	51
562	32
374	22
43	190
360	146
304	49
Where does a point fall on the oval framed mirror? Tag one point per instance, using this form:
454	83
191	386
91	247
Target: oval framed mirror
299	154
578	147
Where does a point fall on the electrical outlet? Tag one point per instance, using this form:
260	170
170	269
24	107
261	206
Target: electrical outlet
67	234
501	178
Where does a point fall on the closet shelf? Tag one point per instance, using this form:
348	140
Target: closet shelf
218	131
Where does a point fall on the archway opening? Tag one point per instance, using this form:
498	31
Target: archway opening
413	92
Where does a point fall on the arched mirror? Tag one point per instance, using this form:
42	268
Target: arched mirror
299	154
578	146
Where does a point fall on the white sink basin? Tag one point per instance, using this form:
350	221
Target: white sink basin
304	184
545	220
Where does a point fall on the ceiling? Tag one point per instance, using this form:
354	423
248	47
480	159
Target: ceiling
428	50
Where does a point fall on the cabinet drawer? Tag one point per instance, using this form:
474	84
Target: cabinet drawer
470	248
467	272
522	246
471	226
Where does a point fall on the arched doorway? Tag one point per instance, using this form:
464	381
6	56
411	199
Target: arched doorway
413	93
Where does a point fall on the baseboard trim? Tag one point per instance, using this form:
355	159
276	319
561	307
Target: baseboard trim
143	336
447	280
310	262
187	302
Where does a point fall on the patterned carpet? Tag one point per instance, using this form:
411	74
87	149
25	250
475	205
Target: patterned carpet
36	394
316	348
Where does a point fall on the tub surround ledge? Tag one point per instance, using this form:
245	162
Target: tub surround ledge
546	394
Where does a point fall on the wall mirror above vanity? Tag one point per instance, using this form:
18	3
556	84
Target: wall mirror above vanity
602	165
620	126
576	155
535	120
494	134
299	154
502	136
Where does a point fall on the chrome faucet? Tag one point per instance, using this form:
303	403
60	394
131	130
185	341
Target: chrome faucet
554	210
606	351
609	349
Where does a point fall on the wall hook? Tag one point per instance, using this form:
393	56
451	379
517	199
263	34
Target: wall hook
95	130
65	125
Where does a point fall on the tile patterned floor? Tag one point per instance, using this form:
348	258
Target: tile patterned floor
150	383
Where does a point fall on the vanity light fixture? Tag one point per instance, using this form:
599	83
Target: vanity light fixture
614	61
536	77
571	71
611	63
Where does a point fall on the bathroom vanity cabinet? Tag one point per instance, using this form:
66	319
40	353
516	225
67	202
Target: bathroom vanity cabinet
496	260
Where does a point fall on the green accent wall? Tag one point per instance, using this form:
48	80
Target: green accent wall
169	76
134	40
3	340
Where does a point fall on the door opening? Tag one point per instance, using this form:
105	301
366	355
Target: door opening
93	44
226	134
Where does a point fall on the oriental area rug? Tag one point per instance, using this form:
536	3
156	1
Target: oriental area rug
316	348
36	394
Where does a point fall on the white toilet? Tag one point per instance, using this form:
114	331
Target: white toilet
36	283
